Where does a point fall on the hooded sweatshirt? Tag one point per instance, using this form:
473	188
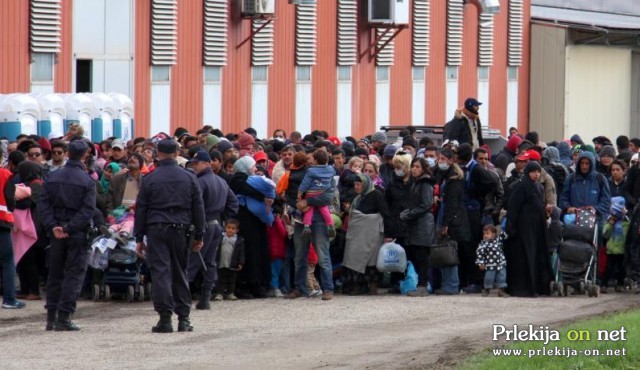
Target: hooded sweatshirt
586	190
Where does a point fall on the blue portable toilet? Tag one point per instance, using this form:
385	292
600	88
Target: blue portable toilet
19	114
80	111
52	114
123	122
102	124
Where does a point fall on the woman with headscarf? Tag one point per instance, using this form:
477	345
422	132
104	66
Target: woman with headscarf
365	236
528	268
105	181
564	150
255	276
31	266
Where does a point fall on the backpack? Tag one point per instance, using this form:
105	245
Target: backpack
559	174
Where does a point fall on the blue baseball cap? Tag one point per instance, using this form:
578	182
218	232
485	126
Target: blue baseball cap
201	156
471	102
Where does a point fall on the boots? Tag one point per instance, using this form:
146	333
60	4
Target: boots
373	288
52	316
184	324
205	297
64	323
486	292
164	324
502	293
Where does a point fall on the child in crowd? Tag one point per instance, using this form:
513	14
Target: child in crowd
316	181
491	260
230	260
615	231
346	184
554	236
277	238
312	283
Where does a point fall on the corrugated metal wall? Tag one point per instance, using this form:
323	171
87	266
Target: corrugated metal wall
523	74
14	46
324	96
468	71
401	80
498	72
436	97
63	69
282	74
142	84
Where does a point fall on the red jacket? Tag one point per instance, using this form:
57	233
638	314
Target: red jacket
6	218
313	257
277	239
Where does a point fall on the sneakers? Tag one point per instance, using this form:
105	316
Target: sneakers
472	289
315	293
444	292
419	292
231	297
306	231
331	230
15	305
277	293
327	296
218	297
294	294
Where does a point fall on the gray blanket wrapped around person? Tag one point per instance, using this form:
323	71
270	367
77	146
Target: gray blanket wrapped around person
363	244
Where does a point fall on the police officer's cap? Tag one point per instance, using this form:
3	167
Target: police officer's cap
200	156
167	146
77	148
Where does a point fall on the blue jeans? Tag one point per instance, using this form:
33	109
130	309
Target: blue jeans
8	267
276	267
450	280
497	276
320	240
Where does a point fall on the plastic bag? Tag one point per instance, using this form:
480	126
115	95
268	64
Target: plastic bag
410	282
99	260
391	258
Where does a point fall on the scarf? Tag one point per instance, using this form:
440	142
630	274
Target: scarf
473	127
367	187
104	183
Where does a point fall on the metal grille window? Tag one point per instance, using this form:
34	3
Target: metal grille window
452	73
160	73
259	74
421	28
215	32
212	74
164	27
418	73
344	73
303	73
454	32
512	73
45	26
306	23
347	32
41	67
485	40
262	43
385	56
382	74
514	44
483	73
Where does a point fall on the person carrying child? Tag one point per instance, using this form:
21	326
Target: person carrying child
316	181
615	231
230	260
491	260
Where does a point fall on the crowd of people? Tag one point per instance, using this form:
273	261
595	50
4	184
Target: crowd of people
305	216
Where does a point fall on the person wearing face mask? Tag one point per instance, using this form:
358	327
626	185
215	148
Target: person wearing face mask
465	127
396	196
452	218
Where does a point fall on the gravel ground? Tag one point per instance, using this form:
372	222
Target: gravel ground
375	332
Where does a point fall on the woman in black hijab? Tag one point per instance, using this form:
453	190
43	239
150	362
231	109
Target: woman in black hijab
528	269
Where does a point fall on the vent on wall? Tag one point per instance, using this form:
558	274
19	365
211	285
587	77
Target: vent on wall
454	32
384	56
262	42
514	45
485	40
164	25
215	33
347	32
421	27
45	26
306	18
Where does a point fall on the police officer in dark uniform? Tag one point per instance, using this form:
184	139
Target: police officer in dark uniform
66	207
169	203
219	203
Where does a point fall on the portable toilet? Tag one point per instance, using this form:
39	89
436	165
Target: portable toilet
19	114
52	114
102	124
123	122
80	110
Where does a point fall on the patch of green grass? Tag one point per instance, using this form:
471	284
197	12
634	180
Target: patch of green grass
489	359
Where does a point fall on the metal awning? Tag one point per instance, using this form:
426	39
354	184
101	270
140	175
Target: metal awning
585	18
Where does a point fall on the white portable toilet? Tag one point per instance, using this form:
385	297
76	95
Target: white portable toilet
102	124
19	114
80	110
52	114
123	122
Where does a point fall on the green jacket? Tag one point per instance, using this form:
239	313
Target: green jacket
615	243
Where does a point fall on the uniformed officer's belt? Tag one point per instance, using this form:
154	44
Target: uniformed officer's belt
170	225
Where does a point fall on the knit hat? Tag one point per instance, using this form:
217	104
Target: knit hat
361	151
277	146
212	140
576	139
618	207
410	141
44	144
513	143
243	164
551	154
224	145
245	140
390	151
379	136
532	166
608	151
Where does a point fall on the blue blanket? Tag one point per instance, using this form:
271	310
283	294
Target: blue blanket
258	207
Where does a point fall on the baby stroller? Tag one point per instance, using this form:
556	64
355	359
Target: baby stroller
577	256
125	274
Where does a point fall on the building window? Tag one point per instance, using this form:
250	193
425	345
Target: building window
418	73
259	73
382	73
344	73
212	74
483	73
160	73
452	73
42	67
303	73
512	73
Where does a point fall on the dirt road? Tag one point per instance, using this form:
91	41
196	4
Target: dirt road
349	332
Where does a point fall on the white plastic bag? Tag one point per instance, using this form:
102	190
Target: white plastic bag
391	258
